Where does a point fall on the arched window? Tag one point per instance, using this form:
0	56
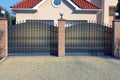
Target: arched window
56	3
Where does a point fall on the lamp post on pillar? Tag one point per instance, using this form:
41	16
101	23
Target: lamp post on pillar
61	14
4	34
116	14
116	35
2	12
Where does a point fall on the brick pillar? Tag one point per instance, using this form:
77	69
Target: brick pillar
61	37
3	37
116	41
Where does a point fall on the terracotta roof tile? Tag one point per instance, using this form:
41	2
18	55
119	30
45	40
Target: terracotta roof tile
26	4
84	4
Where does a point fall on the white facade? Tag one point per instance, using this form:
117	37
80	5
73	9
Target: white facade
47	11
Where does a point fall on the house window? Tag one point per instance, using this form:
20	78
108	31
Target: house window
56	3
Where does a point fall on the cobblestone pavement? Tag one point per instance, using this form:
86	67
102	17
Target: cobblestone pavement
60	68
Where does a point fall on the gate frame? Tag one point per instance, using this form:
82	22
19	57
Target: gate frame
61	37
41	42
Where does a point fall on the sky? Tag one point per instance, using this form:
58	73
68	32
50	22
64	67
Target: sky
7	3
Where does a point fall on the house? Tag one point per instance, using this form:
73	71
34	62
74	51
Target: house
95	10
108	8
50	9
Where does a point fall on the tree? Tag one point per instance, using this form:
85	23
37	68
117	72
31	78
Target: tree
10	18
118	9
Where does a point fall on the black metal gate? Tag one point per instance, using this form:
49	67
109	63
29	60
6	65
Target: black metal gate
87	38
33	37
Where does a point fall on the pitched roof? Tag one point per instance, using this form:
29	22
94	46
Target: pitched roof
84	4
26	4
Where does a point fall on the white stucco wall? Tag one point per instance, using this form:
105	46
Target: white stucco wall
107	4
47	12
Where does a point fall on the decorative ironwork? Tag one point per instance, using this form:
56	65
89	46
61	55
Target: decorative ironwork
87	37
33	37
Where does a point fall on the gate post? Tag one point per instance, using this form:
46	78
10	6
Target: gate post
3	38
116	40
61	37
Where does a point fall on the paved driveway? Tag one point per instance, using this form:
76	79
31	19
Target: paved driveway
63	68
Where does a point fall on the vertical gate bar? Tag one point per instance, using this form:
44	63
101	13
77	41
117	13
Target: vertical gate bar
81	37
75	41
27	36
45	38
19	46
30	36
67	33
96	48
80	41
29	39
19	24
87	29
89	35
41	25
13	44
85	43
107	32
68	29
34	36
75	45
99	37
53	42
37	25
38	36
23	34
77	37
12	35
106	39
94	37
103	38
71	38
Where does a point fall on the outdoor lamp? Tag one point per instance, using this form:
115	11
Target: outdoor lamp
116	14
61	14
3	13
